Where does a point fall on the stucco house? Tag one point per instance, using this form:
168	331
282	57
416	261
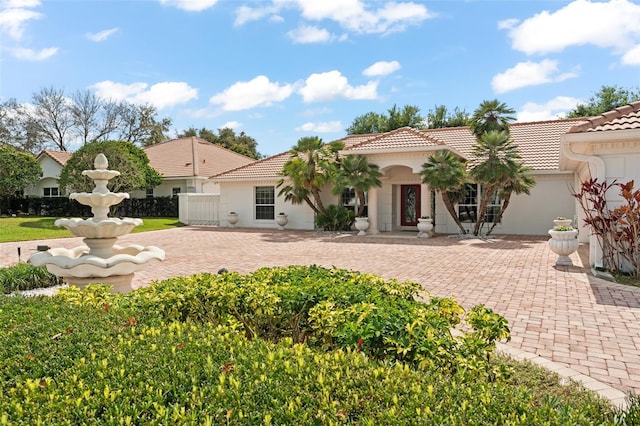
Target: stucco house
184	163
51	163
561	153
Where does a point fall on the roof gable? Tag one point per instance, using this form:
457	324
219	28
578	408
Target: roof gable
60	157
626	117
402	138
192	156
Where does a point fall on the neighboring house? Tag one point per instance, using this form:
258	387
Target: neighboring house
51	163
185	165
560	153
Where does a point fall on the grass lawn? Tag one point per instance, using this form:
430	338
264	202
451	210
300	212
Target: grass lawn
25	228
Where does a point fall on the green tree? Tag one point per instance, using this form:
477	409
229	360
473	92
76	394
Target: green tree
607	99
18	170
226	137
496	160
491	115
440	117
132	163
139	124
371	122
354	171
310	166
445	173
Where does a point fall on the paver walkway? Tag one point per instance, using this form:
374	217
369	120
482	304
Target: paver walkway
562	314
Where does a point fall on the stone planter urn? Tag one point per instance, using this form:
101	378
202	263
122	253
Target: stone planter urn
562	221
232	218
362	224
425	226
281	221
563	242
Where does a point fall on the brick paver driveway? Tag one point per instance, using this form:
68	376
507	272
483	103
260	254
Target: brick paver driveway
559	313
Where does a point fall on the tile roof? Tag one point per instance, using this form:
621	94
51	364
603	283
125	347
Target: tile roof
626	117
60	157
192	156
539	144
402	138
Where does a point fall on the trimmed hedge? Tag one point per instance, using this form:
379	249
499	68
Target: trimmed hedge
64	207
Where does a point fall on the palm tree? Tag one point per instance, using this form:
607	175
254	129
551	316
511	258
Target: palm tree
444	172
356	172
310	165
519	181
491	115
495	163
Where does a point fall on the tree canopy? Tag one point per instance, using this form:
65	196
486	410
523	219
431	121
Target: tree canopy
354	171
226	137
371	122
606	99
57	121
440	117
18	169
131	161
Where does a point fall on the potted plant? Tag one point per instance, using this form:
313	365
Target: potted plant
425	226
281	220
563	241
362	224
232	218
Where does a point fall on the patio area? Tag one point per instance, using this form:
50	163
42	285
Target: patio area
562	317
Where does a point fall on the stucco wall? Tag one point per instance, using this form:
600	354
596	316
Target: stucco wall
49	179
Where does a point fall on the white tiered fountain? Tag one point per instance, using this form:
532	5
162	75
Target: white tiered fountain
101	260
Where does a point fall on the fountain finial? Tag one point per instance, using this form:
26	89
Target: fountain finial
101	162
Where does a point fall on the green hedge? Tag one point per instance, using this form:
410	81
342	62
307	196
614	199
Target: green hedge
64	207
25	276
295	345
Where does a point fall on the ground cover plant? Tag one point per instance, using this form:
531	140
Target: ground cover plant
27	228
295	345
24	276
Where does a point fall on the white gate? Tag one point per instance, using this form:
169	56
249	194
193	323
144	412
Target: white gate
199	209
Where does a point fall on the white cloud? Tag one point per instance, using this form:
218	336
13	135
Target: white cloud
309	34
382	68
250	94
231	125
101	35
528	74
551	110
190	5
331	85
160	95
13	21
507	24
632	56
322	127
33	55
613	24
353	15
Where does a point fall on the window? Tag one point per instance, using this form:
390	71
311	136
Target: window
149	193
468	206
175	191
50	192
349	200
265	202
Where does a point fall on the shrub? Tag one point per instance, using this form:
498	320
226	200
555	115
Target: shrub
336	218
61	364
327	308
25	276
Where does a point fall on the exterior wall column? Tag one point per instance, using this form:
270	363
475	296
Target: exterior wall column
373	210
425	200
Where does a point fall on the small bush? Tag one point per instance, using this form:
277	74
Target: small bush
25	276
337	218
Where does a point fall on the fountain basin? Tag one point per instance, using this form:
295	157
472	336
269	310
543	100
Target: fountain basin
106	228
77	267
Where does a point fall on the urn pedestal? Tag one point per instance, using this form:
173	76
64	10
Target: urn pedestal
425	226
281	221
563	243
362	224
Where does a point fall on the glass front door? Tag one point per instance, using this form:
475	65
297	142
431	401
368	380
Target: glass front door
410	205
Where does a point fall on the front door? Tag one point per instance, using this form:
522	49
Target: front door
409	205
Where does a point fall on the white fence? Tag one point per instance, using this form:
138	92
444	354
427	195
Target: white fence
199	209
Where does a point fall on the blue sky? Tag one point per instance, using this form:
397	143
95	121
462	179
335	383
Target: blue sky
283	69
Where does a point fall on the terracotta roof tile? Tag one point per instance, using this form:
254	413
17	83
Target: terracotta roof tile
402	138
60	157
626	117
539	144
191	156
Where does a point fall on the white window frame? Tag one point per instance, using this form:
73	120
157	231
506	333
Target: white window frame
264	208
50	190
473	199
